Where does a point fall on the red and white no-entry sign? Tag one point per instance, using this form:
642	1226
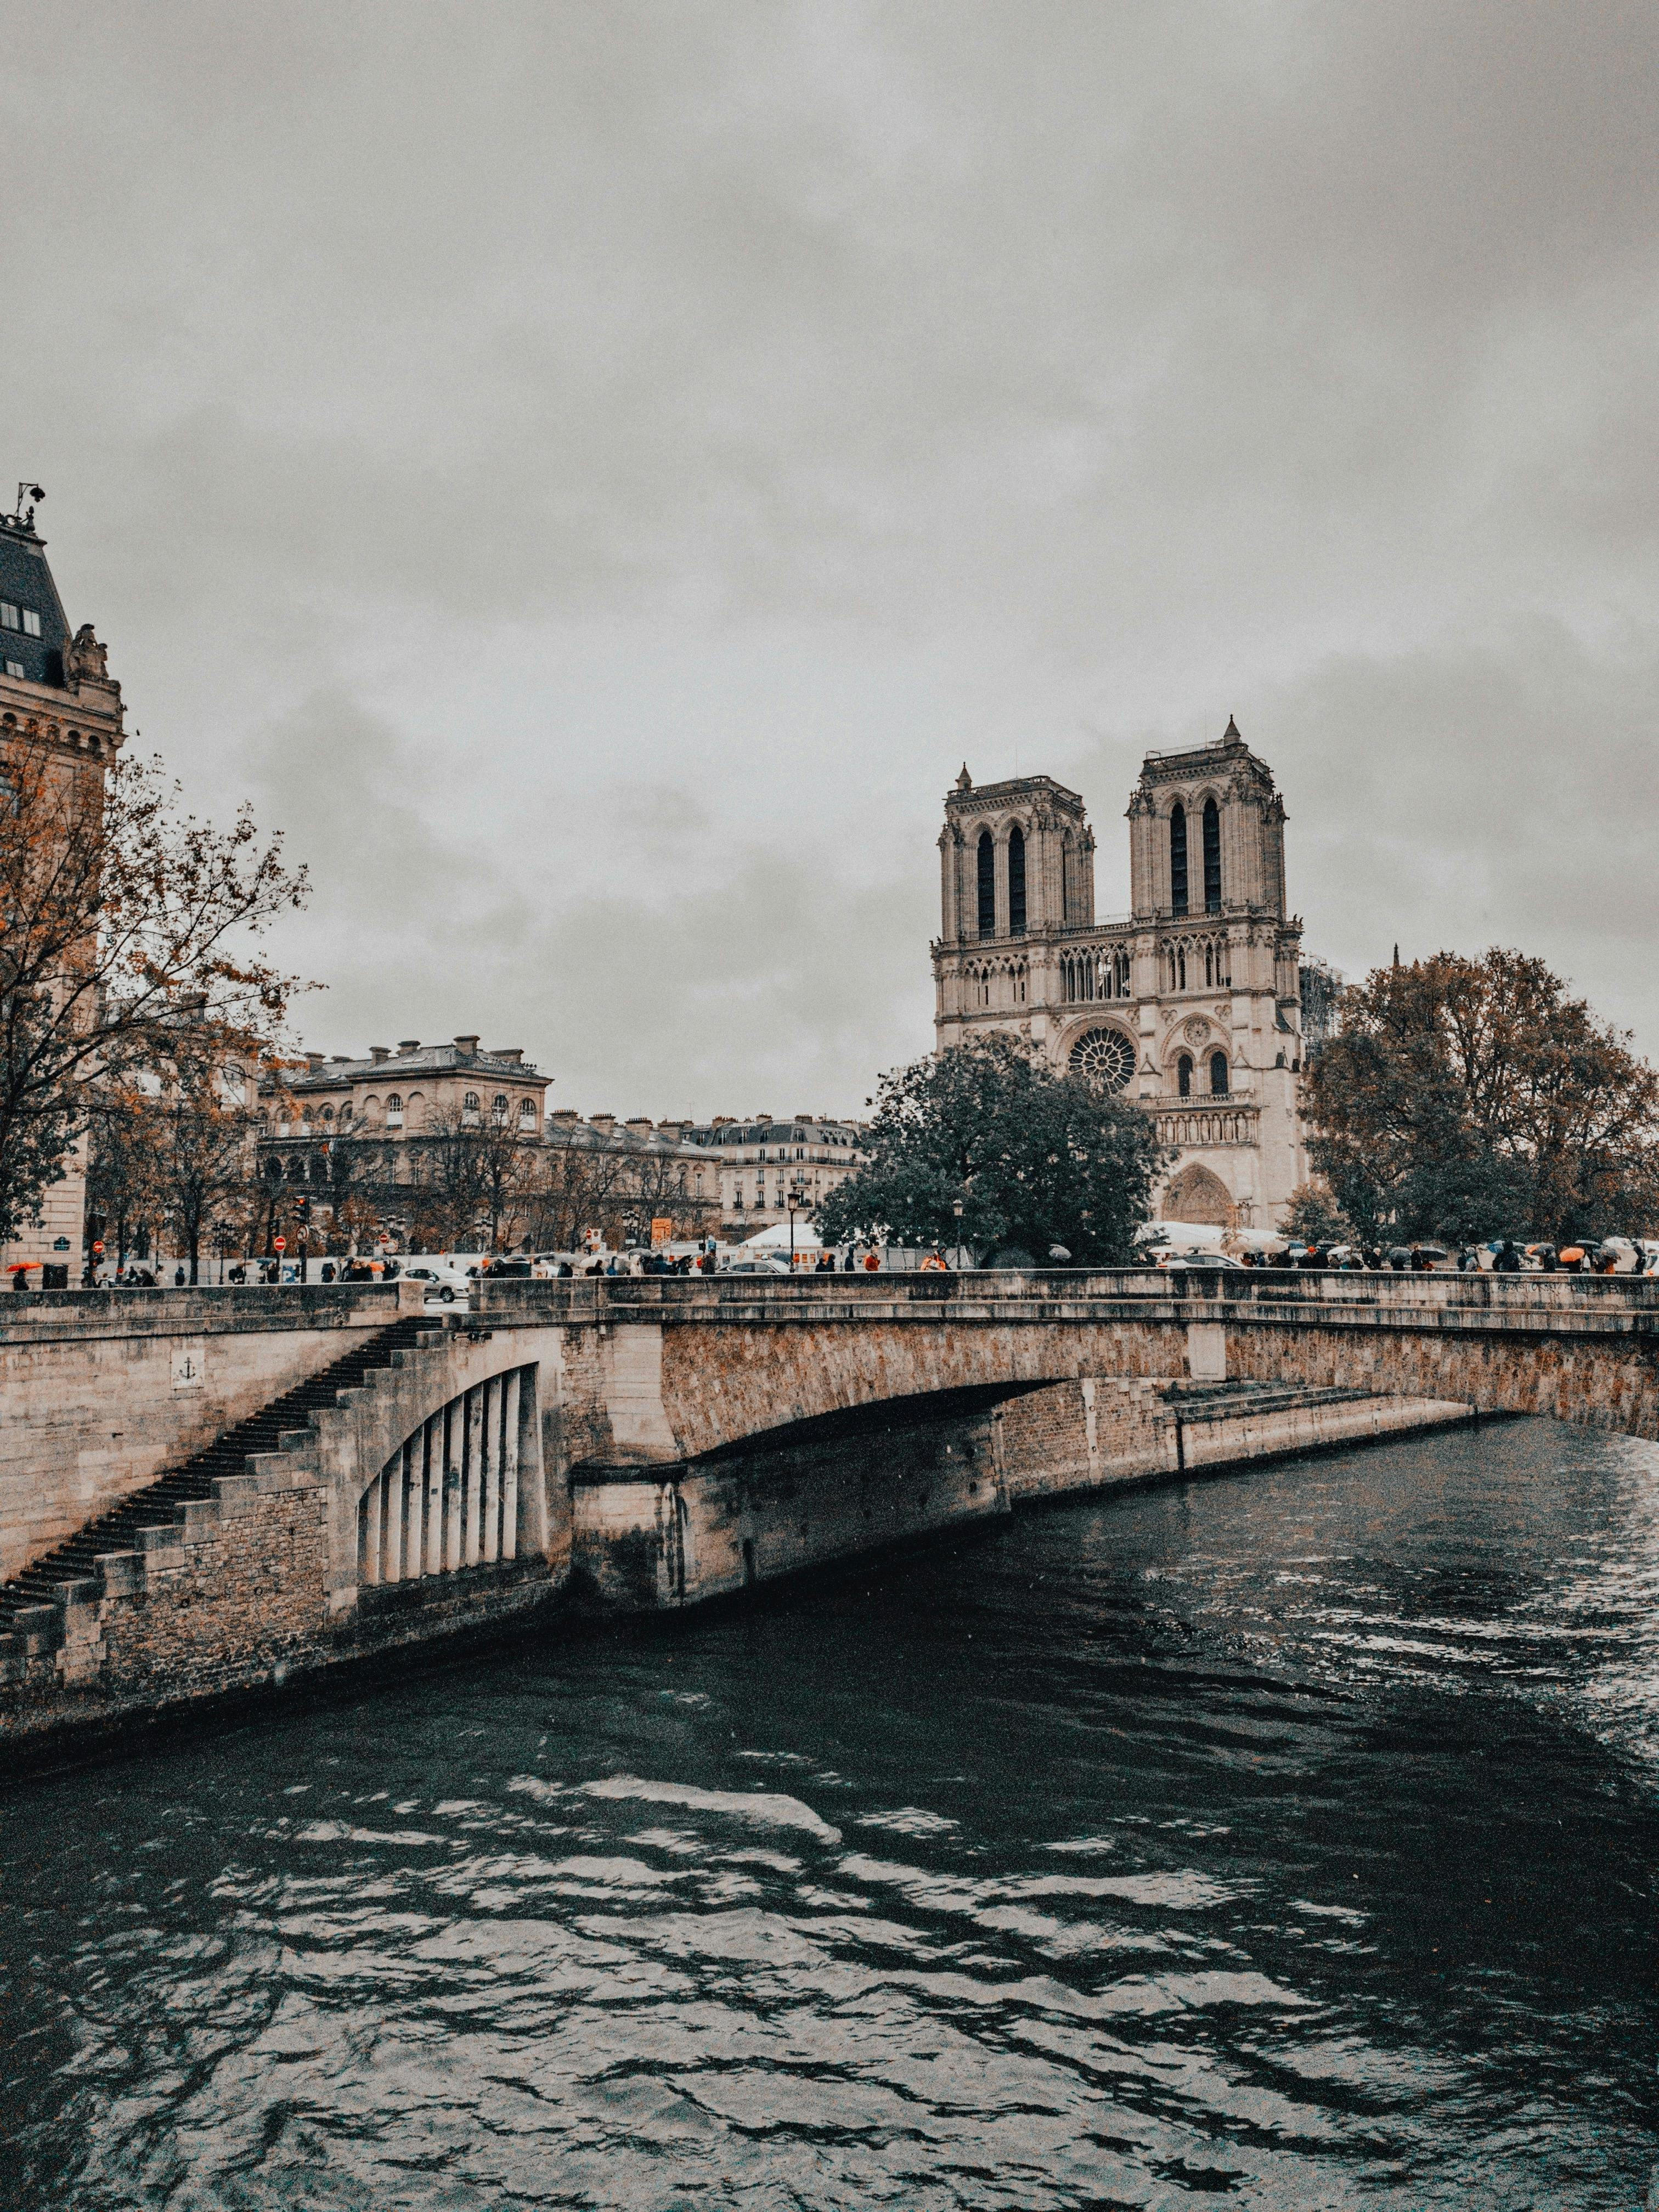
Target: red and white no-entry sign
279	1243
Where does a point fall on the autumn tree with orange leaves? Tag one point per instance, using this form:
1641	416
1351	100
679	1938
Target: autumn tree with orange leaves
124	924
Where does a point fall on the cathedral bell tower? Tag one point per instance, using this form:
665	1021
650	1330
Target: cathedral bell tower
1190	1003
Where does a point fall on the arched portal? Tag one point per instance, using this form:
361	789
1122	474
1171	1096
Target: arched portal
1178	860
1016	881
987	884
1199	1195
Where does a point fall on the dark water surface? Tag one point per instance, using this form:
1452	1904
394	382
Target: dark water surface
1290	1838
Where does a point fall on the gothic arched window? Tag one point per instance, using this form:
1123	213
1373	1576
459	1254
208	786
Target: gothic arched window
470	1107
1184	1075
1016	881
498	1108
987	885
1218	1073
1178	858
1211	857
394	1110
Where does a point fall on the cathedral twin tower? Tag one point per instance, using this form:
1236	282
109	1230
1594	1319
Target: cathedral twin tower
1191	1002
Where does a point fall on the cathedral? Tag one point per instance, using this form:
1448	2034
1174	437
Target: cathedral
1191	1002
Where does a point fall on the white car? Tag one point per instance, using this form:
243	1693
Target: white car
444	1280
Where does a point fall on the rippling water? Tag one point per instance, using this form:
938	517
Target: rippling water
1289	1837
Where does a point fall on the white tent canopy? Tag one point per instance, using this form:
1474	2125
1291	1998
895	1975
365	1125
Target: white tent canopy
776	1238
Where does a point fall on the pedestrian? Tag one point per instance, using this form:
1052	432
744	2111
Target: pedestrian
849	1265
871	1261
1506	1260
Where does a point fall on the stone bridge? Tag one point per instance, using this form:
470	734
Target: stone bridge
653	1441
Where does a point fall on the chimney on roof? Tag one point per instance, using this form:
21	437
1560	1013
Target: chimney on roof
377	1052
567	1117
605	1123
512	1053
641	1123
313	1062
409	1044
339	1059
467	1044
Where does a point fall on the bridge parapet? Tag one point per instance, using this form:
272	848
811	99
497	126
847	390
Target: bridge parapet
1572	1304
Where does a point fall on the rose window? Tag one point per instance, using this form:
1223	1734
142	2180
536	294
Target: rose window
1105	1058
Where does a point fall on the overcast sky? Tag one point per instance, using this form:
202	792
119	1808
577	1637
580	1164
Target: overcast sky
591	472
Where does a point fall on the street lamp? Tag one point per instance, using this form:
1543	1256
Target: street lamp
957	1204
792	1199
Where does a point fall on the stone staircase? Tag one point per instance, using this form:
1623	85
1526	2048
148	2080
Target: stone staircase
1222	1401
65	1572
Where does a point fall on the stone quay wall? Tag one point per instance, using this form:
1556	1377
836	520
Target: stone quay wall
100	1391
678	1536
1100	1431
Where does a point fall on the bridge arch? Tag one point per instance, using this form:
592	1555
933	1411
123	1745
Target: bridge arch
449	1497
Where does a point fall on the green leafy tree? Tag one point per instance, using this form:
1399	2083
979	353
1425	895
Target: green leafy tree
1315	1218
1473	1098
1037	1158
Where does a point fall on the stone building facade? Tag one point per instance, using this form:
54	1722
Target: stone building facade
1190	1003
755	1165
387	1105
400	1095
55	690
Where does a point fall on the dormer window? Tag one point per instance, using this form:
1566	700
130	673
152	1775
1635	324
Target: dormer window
10	618
31	623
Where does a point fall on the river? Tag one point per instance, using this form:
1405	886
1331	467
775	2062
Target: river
1288	1838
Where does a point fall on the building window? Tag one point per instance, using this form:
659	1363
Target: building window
1218	1073
498	1108
987	885
1184	1075
1178	858
394	1111
31	623
1016	881
526	1113
1211	857
470	1107
14	668
10	618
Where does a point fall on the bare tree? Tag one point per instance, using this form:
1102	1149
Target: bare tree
120	914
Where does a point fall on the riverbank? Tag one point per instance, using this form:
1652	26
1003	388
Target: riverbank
231	1607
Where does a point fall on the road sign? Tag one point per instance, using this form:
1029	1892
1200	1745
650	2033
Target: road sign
98	1244
279	1243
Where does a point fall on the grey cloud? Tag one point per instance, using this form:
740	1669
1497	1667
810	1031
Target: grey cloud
872	384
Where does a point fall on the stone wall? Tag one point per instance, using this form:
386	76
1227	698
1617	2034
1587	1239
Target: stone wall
236	1600
100	1391
689	1533
1098	1431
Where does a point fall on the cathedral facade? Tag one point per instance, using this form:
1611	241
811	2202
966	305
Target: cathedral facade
1190	1003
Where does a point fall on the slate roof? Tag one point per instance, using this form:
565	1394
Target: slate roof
26	582
430	1059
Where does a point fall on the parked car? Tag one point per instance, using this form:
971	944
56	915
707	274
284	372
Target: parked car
443	1279
756	1268
1173	1261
